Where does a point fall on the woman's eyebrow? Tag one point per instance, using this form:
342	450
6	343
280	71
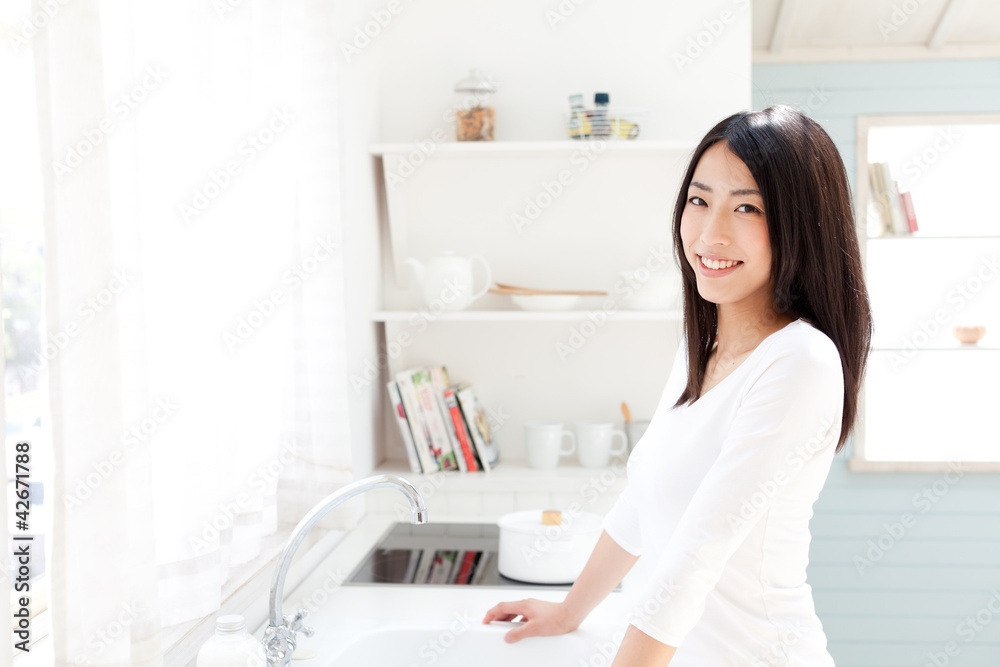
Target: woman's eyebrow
736	193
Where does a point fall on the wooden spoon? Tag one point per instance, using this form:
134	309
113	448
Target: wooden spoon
511	289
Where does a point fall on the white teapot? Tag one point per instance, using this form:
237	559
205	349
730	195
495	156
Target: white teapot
446	280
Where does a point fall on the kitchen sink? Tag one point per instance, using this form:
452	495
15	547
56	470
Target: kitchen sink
364	613
463	643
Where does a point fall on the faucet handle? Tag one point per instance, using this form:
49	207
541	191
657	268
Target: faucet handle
294	623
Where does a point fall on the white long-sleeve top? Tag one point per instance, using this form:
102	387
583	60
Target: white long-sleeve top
720	494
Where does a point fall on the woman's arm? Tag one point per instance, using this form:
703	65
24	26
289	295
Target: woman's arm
605	568
640	650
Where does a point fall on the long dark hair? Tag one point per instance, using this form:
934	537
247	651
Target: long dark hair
816	267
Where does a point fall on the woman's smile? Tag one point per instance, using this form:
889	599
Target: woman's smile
716	268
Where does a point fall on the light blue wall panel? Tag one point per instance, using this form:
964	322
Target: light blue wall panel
912	603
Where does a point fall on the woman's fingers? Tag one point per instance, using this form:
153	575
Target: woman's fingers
508	611
540	618
504	611
526	630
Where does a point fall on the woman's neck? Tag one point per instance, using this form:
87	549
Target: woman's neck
740	332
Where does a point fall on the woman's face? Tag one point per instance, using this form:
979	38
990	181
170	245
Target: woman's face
723	220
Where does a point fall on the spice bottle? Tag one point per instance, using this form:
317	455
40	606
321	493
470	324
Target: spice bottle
601	121
474	109
579	124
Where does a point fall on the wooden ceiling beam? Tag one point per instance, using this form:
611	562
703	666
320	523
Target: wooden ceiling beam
782	25
946	24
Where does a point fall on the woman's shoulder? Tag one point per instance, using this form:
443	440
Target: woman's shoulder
804	337
801	346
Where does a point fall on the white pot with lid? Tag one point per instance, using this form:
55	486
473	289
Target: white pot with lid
547	553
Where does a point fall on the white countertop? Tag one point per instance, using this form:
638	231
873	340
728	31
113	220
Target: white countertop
339	614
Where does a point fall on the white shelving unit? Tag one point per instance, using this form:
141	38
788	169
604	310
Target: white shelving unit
525	315
613	213
515	477
529	148
939	366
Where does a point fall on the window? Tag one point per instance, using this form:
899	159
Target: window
21	259
928	398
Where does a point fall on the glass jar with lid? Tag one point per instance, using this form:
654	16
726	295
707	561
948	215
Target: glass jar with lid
474	118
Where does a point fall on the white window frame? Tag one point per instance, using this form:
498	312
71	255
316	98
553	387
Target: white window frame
858	462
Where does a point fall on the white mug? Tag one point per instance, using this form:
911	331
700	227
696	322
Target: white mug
544	444
595	443
635	430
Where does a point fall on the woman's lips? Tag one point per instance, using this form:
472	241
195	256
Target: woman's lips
716	273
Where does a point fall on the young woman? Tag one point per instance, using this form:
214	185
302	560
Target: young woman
762	393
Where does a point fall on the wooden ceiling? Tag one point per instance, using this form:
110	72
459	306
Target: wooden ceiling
846	30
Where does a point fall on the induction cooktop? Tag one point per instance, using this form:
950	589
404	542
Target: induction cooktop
436	554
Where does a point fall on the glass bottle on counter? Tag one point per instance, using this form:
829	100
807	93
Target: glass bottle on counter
474	118
232	646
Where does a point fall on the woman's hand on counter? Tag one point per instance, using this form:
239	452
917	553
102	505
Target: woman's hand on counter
541	619
604	569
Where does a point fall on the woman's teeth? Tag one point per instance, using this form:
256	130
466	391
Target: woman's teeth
718	264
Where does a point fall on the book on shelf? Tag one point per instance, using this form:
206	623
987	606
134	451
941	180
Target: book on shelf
466	446
400	416
421	436
890	206
878	199
479	426
443	426
439	380
911	213
429	406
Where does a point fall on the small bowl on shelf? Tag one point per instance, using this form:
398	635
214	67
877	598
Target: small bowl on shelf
968	335
546	301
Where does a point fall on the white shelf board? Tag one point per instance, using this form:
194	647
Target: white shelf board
957	347
568	146
931	237
513	476
527	315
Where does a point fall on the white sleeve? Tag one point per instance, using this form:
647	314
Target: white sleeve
622	522
790	411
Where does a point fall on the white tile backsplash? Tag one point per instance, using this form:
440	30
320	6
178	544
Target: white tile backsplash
532	500
469	496
466	502
563	501
497	503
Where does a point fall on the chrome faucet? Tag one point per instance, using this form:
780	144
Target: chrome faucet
281	632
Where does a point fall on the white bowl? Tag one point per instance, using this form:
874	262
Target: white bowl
546	301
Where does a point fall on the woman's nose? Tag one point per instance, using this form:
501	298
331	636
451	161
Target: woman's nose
716	229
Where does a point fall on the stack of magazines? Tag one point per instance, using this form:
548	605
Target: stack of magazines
444	427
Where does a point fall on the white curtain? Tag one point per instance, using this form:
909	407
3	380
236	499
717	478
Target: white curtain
6	635
194	276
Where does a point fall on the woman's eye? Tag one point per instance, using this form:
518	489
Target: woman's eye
697	201
751	207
